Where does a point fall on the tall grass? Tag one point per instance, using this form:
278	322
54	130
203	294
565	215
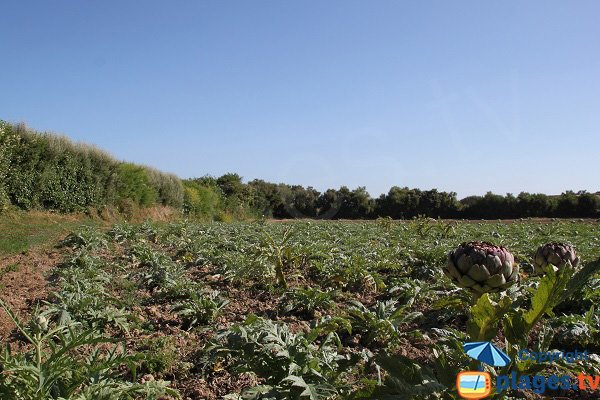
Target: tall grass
168	186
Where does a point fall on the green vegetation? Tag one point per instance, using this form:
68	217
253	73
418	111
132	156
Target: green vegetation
366	311
7	145
201	201
20	231
44	171
134	184
65	361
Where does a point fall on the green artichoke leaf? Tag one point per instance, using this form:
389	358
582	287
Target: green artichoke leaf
449	302
580	279
485	315
548	294
515	331
406	380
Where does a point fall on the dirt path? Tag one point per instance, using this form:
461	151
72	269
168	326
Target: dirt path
23	283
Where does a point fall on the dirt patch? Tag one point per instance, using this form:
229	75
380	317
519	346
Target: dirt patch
23	284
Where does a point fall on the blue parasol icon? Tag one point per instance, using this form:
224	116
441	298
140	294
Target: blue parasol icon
487	353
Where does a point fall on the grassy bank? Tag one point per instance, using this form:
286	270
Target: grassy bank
20	230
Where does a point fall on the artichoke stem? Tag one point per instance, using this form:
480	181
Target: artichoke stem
280	276
475	298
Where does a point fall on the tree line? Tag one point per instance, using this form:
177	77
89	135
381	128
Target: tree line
228	194
46	171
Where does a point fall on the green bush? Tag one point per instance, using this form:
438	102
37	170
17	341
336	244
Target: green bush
201	201
51	172
7	143
134	184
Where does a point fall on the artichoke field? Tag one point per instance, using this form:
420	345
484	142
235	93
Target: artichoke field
302	310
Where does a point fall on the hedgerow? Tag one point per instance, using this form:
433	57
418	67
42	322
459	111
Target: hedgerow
7	143
45	171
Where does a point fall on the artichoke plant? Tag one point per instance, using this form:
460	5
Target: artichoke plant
482	267
555	256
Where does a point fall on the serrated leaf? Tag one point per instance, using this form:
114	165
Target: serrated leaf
310	391
448	302
580	279
548	294
405	379
485	316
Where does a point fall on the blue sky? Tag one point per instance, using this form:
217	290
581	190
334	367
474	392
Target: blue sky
467	96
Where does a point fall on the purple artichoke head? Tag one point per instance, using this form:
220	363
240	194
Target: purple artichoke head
482	267
556	256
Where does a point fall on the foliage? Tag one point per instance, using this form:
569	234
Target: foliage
306	301
380	323
8	141
199	309
51	172
368	313
291	365
199	201
280	253
66	362
84	296
44	171
168	187
406	379
85	238
554	288
134	184
159	271
159	355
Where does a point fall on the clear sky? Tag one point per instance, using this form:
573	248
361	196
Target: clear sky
467	96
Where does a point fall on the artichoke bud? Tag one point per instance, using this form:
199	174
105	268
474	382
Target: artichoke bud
482	267
556	256
40	324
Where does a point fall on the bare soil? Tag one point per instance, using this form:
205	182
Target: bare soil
23	283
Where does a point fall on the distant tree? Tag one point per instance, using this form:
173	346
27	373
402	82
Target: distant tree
7	142
327	204
399	203
201	201
206	180
305	200
588	205
354	204
266	199
134	184
566	205
534	205
437	204
409	203
490	206
231	185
